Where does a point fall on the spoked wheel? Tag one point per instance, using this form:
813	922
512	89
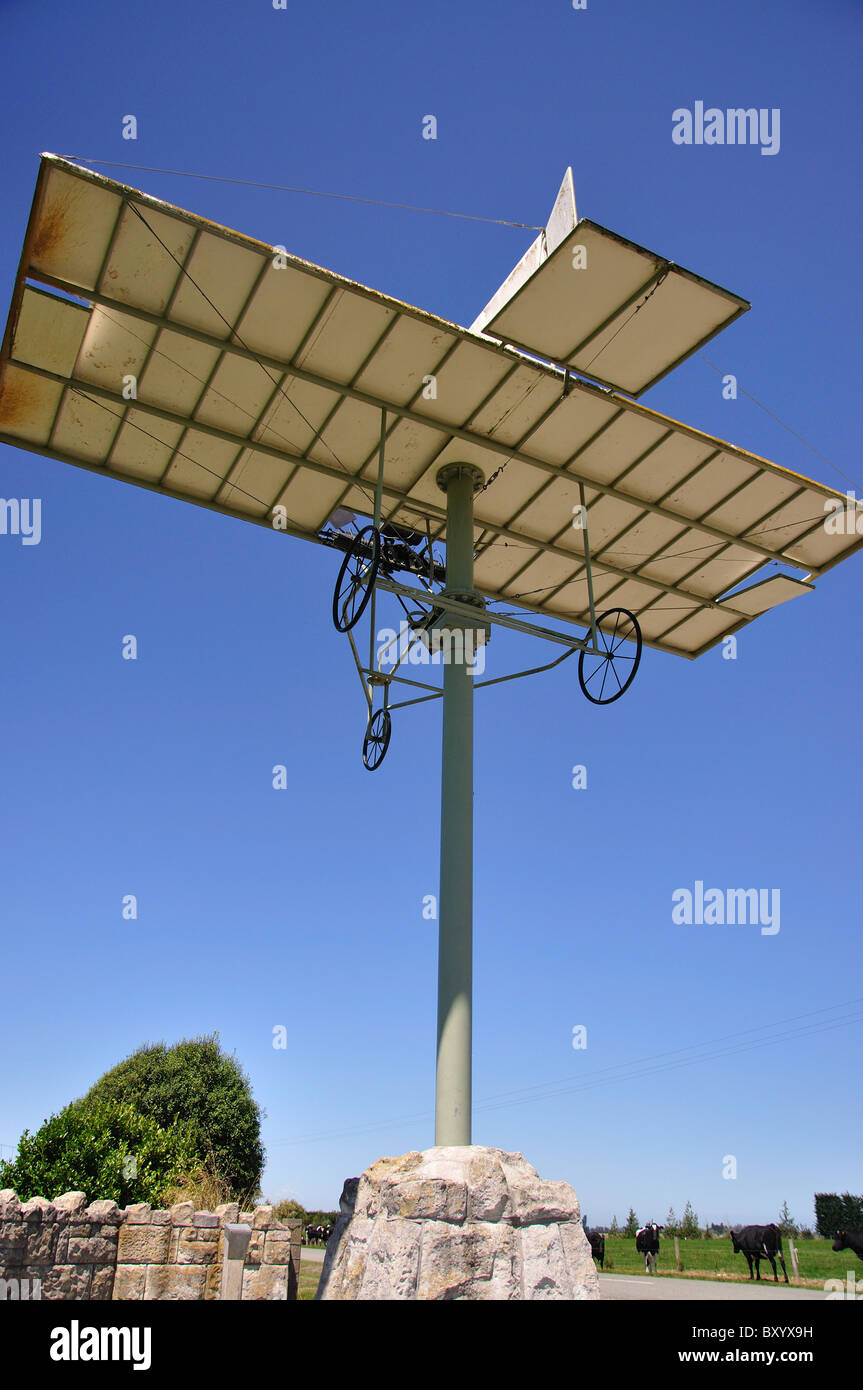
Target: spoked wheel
605	676
356	579
377	739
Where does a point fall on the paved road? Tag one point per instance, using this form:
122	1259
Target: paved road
653	1288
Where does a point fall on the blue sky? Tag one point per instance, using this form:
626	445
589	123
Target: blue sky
303	908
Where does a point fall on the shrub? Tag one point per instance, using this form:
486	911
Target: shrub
195	1081
105	1149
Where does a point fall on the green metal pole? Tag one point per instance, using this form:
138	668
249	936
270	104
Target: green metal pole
455	907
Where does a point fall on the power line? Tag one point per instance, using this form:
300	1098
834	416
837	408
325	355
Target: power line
780	421
308	192
626	1071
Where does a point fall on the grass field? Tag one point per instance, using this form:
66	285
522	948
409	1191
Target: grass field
310	1274
715	1259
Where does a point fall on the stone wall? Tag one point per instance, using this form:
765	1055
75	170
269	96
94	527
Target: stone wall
103	1252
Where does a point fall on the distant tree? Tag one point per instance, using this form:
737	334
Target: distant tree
806	1233
689	1227
852	1212
614	1229
631	1227
787	1224
290	1211
834	1213
321	1218
672	1225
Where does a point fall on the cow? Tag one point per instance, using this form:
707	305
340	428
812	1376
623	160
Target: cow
647	1244
597	1246
850	1240
760	1243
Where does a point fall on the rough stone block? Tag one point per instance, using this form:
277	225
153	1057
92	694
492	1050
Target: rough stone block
175	1283
182	1213
205	1219
91	1250
431	1199
582	1271
255	1252
64	1282
543	1263
270	1283
71	1201
36	1208
138	1245
263	1218
138	1214
475	1262
191	1251
43	1242
102	1284
277	1248
228	1213
537	1201
130	1282
107	1213
13	1243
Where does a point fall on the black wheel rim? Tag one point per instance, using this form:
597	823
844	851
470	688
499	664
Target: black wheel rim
356	579
377	739
608	675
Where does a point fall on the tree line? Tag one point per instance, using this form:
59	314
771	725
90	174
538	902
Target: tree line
688	1227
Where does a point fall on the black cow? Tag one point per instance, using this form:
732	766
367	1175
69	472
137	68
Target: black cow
597	1246
647	1244
760	1243
850	1240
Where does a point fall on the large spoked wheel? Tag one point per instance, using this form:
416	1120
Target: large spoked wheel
608	674
377	739
356	579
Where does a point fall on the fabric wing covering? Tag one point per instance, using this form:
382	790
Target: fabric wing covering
211	367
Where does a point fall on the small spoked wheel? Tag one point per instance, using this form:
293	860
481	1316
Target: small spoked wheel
377	739
606	674
356	578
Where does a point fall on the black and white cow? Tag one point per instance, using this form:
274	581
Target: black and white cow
850	1240
597	1246
760	1243
647	1244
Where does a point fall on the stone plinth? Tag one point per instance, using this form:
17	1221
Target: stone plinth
457	1223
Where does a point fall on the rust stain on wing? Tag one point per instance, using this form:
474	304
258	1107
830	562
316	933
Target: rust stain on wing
52	230
19	400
